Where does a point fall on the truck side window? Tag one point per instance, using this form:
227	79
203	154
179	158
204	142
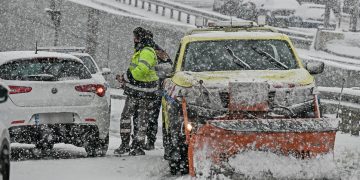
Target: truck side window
176	58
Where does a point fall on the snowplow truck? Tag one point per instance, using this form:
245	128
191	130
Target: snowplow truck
241	88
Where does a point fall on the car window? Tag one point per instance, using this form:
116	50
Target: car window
89	64
45	69
215	55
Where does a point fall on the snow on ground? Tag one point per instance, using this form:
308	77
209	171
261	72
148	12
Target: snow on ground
344	163
349	46
329	59
352	91
70	162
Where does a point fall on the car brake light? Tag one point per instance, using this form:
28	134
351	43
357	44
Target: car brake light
18	122
19	89
95	88
90	120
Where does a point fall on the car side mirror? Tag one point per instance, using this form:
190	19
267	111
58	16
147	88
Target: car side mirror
3	94
315	67
164	70
105	71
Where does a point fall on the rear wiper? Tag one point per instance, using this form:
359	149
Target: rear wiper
263	53
237	60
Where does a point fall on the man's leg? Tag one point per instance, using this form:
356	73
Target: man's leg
125	125
135	120
153	125
145	106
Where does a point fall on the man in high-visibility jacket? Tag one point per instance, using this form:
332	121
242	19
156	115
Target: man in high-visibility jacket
141	84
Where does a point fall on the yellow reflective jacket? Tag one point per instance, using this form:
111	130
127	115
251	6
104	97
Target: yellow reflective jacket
142	65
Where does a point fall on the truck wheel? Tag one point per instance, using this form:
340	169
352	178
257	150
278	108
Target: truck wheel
97	147
178	161
166	142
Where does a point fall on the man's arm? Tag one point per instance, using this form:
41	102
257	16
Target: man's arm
147	61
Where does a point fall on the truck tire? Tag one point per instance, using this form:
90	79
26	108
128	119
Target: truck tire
178	149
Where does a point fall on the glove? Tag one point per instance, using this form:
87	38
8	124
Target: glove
121	80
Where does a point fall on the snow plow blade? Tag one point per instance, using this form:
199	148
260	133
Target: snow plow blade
221	139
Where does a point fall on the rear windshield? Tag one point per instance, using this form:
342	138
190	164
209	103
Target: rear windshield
88	63
45	69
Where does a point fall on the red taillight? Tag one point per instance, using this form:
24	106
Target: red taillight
18	122
95	88
19	89
90	120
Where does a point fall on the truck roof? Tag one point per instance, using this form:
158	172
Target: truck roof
222	35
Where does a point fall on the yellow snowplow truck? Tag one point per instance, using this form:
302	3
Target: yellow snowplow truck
241	87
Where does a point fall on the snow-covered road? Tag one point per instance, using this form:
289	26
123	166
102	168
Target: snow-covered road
70	162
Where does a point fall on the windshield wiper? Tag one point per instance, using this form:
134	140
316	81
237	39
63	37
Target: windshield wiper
263	53
238	60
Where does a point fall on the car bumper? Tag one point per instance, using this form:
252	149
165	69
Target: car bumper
94	115
76	134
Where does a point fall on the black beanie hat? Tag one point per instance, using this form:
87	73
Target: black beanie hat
140	32
149	33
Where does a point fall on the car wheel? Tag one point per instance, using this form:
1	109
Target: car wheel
5	161
178	161
97	147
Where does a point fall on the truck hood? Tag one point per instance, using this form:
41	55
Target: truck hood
297	77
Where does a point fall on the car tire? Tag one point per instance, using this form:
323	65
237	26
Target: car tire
97	147
178	160
5	161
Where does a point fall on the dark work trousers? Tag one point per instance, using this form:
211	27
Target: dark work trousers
153	121
141	106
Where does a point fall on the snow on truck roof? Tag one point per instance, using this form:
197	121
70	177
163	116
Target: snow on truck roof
17	55
212	35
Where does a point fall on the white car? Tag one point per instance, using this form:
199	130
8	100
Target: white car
4	141
88	61
54	98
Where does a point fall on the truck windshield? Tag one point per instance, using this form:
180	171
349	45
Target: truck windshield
258	54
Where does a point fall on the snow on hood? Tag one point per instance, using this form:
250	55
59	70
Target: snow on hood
222	78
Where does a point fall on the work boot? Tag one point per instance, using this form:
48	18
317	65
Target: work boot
149	146
124	148
137	152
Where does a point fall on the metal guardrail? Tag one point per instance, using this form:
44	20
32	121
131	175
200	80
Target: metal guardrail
348	108
300	39
181	9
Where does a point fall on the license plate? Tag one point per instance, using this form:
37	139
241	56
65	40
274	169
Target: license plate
53	118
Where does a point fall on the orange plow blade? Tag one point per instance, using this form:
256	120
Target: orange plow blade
302	138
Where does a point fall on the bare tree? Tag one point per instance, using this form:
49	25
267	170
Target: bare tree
354	14
55	15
